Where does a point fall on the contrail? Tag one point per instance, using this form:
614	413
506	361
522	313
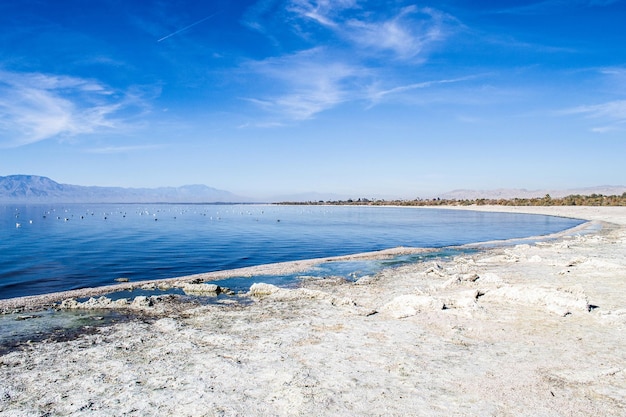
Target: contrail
186	27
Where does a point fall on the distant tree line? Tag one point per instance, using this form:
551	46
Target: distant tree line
570	200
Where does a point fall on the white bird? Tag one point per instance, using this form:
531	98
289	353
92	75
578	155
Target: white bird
18	225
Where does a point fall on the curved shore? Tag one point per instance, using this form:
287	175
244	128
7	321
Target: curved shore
525	330
36	302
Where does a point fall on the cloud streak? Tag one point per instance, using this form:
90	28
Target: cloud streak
376	96
405	36
185	28
405	33
347	42
612	114
36	107
310	84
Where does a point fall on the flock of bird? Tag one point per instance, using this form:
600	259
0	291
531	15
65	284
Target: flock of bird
67	215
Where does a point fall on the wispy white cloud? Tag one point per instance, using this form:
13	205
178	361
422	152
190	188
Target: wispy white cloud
377	95
406	35
37	106
324	12
614	110
614	71
614	79
309	86
308	83
405	32
604	129
611	114
346	43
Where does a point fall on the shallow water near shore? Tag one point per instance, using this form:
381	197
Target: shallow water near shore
50	324
47	249
20	327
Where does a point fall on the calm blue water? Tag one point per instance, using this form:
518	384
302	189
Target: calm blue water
57	248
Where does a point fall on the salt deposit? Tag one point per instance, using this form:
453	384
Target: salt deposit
526	330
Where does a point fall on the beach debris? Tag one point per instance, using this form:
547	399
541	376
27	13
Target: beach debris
365	280
341	301
576	261
560	301
26	317
92	303
202	289
151	286
436	269
511	256
408	305
261	289
458	279
463	299
464	265
140	302
471	277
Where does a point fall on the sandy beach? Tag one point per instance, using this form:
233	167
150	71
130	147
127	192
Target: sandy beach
527	329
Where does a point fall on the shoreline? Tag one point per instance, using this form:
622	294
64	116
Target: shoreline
34	302
47	300
524	330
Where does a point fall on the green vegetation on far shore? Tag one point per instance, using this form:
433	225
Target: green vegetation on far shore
570	200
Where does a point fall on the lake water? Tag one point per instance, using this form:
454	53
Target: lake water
62	247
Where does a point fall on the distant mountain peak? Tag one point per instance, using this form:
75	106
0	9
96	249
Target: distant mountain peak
508	193
39	189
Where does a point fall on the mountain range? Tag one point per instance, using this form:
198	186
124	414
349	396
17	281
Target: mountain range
34	188
508	193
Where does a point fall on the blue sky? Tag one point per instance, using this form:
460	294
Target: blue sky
275	97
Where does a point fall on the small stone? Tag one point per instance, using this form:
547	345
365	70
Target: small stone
141	301
261	289
365	280
70	303
469	277
201	289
